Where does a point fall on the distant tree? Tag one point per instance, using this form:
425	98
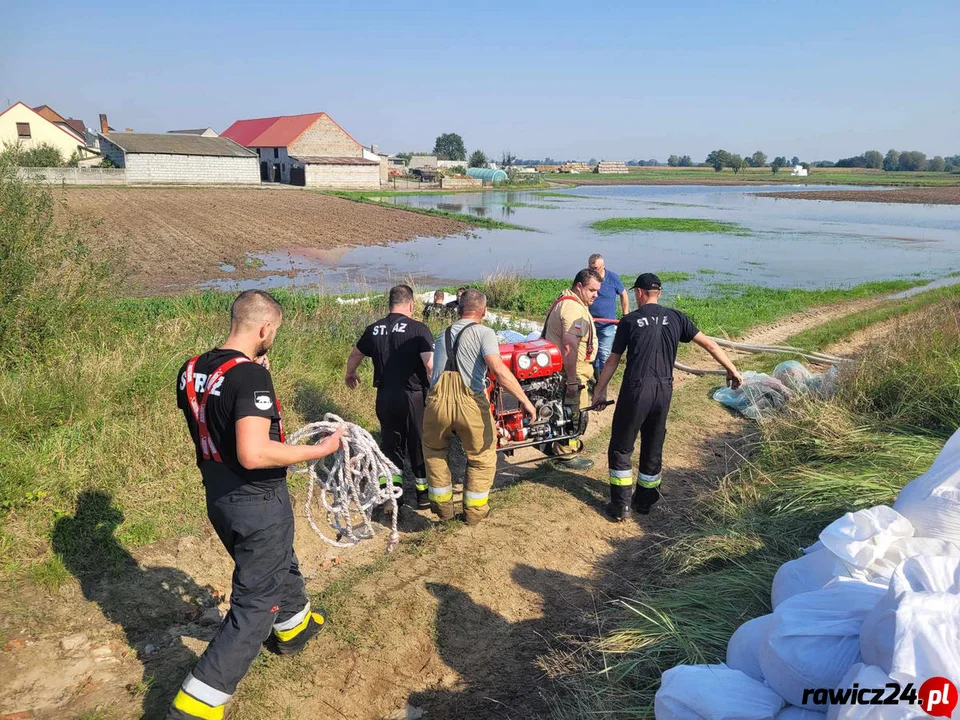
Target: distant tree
507	159
736	163
912	160
858	161
592	161
673	161
685	161
874	159
952	163
891	160
478	159
718	159
825	164
758	159
550	161
794	160
405	156
778	162
653	162
449	146
937	164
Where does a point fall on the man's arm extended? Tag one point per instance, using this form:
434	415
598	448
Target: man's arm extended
351	378
256	451
733	375
506	379
624	302
427	358
609	368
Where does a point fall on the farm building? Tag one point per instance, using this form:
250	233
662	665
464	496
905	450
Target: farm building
308	150
190	159
202	132
20	124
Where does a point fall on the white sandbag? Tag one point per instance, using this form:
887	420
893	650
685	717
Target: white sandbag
713	692
794	713
861	538
806	574
915	627
870	676
744	646
866	545
932	501
815	637
907	548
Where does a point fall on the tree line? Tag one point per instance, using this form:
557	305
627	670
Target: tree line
450	146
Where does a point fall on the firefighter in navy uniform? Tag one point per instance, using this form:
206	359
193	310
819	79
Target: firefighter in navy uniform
233	415
650	336
402	353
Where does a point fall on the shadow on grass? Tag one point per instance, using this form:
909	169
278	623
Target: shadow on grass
143	601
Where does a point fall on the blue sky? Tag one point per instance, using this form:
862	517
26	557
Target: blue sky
563	79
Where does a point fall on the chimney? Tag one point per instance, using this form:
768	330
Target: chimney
104	128
375	149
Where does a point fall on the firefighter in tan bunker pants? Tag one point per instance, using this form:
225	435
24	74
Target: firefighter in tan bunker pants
569	326
458	404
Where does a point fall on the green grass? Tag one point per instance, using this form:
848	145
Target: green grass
729	309
759	176
655	224
539	206
809	466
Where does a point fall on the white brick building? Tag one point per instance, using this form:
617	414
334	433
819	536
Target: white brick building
176	159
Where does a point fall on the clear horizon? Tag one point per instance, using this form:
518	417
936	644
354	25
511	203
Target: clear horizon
546	80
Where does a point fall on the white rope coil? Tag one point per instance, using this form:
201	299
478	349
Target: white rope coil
350	488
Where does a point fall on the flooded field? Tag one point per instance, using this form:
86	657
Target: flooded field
784	243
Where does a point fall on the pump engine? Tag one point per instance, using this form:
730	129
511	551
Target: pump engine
538	367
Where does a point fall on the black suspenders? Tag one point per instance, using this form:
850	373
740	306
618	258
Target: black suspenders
453	347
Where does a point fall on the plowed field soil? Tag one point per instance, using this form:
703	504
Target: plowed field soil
171	238
949	195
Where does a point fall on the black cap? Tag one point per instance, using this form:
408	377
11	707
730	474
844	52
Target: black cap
647	281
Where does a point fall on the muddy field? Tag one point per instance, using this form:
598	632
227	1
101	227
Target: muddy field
949	195
171	238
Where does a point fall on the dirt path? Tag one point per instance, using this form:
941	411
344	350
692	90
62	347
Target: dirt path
458	622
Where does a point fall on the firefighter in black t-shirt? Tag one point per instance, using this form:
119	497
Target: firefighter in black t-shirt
650	336
402	352
233	415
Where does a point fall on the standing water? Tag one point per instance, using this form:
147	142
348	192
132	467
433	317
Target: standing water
783	242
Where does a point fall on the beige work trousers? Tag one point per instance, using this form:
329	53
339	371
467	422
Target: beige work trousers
451	408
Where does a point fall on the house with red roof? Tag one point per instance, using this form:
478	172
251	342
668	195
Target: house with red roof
310	149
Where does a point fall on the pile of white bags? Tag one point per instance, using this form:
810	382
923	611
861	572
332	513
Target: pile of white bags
876	600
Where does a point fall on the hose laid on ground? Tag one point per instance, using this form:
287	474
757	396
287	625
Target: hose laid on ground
811	355
351	485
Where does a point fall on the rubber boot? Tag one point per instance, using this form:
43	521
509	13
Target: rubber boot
644	499
296	644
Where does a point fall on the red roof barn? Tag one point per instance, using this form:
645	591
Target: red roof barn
308	149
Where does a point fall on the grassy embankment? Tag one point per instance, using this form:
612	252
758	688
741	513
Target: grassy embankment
890	417
759	176
660	224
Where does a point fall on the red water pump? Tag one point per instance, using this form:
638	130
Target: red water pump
538	367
